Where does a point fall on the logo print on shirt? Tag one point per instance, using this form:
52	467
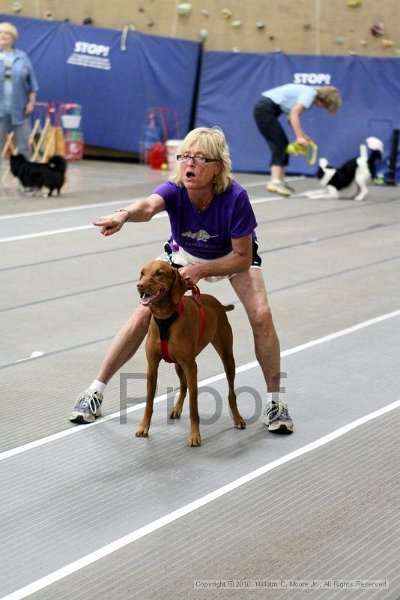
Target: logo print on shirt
201	236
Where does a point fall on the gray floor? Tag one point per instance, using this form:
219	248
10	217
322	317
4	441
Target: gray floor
93	512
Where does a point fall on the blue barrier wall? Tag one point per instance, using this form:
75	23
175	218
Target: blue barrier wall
115	84
231	84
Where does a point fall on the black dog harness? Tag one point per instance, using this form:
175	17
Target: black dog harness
165	324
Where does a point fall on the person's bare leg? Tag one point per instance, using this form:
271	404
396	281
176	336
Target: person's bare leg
250	288
277	173
277	183
125	343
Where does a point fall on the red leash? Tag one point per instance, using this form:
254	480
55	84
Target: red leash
197	298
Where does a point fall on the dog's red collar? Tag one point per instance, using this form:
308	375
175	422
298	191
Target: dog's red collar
165	324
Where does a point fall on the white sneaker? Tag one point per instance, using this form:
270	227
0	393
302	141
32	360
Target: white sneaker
276	417
279	187
87	407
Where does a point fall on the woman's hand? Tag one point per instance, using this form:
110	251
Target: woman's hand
191	274
303	140
111	223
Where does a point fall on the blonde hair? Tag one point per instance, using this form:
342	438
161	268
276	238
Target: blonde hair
329	98
9	28
211	141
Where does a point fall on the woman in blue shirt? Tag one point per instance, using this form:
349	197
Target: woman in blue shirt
292	99
18	87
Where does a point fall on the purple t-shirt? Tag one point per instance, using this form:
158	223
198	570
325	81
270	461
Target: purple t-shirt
208	234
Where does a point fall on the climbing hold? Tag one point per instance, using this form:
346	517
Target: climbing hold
237	24
378	29
354	3
16	7
387	43
226	13
205	12
184	9
260	24
203	34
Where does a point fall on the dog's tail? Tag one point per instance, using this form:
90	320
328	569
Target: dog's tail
228	307
376	146
374	143
58	162
323	163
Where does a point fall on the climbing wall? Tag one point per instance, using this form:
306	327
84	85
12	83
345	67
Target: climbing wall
333	27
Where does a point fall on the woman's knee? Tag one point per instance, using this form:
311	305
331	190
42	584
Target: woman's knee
261	317
139	318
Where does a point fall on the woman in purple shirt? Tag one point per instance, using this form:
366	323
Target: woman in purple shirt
212	236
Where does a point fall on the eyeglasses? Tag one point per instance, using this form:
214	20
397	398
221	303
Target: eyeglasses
198	160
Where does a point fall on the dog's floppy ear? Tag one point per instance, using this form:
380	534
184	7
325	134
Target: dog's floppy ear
178	288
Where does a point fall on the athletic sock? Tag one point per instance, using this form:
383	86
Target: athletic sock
97	386
273	397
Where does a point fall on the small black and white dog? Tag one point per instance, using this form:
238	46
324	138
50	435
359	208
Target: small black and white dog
35	176
352	178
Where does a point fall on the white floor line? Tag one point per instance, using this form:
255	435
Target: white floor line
54	211
275	198
28	236
124	541
82	428
65	209
266	179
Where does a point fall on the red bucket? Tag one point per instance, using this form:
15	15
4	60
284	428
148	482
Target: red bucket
157	155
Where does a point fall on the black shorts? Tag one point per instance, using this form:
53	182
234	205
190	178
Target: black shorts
256	259
256	262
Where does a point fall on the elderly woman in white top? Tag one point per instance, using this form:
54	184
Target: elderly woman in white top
18	87
292	99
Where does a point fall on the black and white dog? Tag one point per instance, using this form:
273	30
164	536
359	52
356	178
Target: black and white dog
34	175
352	178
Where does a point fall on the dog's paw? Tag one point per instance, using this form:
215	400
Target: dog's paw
175	413
360	196
194	440
240	423
142	431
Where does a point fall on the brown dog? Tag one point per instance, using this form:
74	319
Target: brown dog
188	324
